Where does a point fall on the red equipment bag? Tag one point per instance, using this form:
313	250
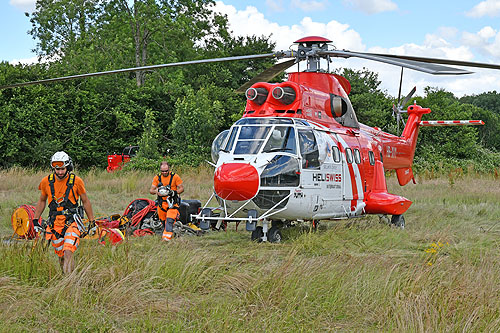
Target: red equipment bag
139	209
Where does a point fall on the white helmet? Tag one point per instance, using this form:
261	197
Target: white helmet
163	191
61	160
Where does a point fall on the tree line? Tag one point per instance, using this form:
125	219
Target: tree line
178	111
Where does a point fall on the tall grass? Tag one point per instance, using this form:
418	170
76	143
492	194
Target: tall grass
440	274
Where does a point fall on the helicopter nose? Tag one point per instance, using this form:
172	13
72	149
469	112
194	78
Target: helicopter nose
236	181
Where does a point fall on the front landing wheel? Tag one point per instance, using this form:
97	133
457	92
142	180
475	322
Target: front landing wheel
274	235
257	234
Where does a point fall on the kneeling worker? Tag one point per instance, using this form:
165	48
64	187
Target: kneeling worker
167	186
63	189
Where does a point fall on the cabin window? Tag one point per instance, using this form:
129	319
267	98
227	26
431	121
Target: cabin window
282	138
282	170
251	139
308	149
357	156
371	156
348	155
336	154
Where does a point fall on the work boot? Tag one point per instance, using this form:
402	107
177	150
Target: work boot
167	236
194	227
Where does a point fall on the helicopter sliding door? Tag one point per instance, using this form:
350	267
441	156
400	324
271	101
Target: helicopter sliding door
331	177
310	166
352	173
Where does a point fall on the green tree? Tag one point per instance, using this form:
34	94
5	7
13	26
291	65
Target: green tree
195	124
447	142
489	112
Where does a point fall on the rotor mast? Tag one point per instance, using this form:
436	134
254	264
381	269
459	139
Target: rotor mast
310	49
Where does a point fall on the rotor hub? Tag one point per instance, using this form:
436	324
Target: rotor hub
310	49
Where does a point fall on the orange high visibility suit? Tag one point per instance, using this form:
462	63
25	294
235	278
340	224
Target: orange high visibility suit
165	213
62	229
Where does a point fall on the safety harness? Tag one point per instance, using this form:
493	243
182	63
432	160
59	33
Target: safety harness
69	208
176	199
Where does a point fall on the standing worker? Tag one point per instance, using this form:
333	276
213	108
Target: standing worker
63	189
167	186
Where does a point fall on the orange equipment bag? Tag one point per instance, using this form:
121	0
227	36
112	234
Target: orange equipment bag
22	222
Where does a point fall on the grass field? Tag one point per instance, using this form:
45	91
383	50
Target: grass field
441	273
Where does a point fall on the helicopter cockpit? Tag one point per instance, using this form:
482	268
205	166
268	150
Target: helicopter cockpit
279	148
250	136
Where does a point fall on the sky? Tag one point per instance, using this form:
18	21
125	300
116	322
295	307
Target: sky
462	30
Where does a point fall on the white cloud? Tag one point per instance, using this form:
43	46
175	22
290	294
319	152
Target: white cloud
372	6
251	22
309	6
489	8
24	5
486	41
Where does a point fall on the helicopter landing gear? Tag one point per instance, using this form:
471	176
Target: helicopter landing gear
257	234
263	234
398	221
384	219
274	235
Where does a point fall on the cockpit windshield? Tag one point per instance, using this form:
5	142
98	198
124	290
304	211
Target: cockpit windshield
251	139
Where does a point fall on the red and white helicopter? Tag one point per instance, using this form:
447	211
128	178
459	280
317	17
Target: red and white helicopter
299	152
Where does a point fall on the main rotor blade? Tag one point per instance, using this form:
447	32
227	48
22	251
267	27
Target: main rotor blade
441	61
268	74
133	69
430	68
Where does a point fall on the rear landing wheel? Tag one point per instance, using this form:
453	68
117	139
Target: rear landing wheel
257	234
398	221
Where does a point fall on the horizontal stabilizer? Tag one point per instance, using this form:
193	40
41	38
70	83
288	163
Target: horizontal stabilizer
405	175
386	203
450	122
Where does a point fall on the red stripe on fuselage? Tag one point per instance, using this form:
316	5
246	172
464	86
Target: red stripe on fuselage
354	187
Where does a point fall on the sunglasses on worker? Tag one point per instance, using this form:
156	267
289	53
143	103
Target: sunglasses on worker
163	171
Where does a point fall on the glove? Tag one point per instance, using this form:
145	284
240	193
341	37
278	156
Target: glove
37	226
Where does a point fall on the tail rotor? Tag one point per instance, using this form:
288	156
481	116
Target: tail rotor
397	110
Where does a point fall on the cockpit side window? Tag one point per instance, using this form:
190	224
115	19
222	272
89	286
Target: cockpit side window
282	138
308	149
230	142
